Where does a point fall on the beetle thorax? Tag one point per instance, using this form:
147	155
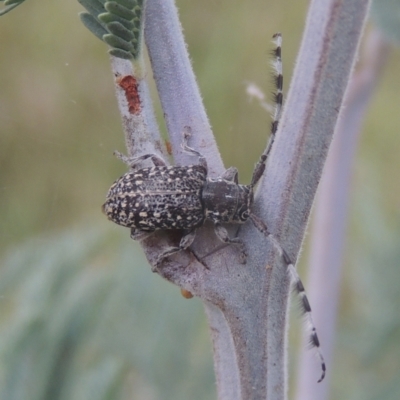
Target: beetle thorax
226	201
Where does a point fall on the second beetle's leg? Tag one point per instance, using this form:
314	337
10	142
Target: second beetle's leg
222	234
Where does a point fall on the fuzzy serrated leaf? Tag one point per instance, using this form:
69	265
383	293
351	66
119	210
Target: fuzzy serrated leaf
119	30
117	42
94	7
137	10
127	3
117	9
120	54
93	25
108	18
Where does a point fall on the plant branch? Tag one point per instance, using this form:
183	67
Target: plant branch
246	305
320	78
176	84
329	228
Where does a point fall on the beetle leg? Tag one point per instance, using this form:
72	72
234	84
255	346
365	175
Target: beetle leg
222	234
231	175
185	242
298	286
187	133
260	167
139	235
133	161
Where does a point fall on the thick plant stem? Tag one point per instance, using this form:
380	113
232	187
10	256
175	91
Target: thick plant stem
246	305
141	131
329	227
176	84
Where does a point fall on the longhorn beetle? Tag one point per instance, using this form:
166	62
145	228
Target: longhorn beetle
183	197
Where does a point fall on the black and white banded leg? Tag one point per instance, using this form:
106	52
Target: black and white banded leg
306	309
299	289
278	101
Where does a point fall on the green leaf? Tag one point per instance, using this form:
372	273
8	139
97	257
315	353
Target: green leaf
94	7
109	18
121	27
126	55
93	25
117	29
128	3
117	42
117	9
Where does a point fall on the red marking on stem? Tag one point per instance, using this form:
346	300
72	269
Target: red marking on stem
130	86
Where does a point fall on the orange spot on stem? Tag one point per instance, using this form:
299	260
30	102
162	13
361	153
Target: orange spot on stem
130	86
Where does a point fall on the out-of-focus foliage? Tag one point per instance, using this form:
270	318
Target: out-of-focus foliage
386	14
369	338
82	317
80	310
9	5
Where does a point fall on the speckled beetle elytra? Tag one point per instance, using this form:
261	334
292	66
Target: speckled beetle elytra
184	197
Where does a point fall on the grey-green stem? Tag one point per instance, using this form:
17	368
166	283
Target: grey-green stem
246	305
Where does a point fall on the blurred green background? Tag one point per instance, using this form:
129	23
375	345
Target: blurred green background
81	315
